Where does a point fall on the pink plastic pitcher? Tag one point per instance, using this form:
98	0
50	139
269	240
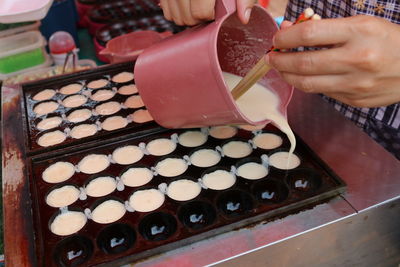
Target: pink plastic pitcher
128	47
180	79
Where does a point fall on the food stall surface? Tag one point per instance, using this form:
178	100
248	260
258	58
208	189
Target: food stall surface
371	175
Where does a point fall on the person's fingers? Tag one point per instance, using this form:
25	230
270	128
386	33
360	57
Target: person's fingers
165	7
314	83
286	24
202	9
328	61
175	12
185	12
314	33
244	9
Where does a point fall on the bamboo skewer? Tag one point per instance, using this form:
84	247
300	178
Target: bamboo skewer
261	68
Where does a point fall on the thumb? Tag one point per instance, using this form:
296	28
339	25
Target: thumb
244	9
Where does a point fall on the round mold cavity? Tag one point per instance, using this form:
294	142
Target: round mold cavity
161	146
93	163
123	77
279	159
183	189
45	94
116	238
71	89
141	116
126	155
268	140
44	108
304	180
270	191
171	166
234	203
68	222
108	108
146	200
101	95
108	210
129	89
197	215
74	101
100	185
58	172
98	83
192	138
134	101
136	176
51	138
205	157
49	123
73	251
83	130
62	195
251	169
237	149
157	226
79	115
251	128
218	178
114	123
223	132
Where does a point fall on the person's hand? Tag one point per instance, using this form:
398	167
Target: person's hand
361	67
192	12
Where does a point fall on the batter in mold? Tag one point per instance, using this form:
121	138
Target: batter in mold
267	141
223	132
128	89
51	138
74	101
44	95
237	149
252	171
71	89
251	128
100	83
161	147
141	116
45	108
134	101
63	196
205	158
146	200
108	212
49	123
114	123
259	103
93	163
219	180
102	95
284	160
58	172
123	77
183	190
192	138
101	186
127	155
108	108
79	115
83	130
68	223
136	176
171	167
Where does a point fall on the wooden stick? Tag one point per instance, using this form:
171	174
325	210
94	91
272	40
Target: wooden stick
257	72
261	68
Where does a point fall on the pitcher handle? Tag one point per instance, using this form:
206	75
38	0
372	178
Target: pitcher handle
224	7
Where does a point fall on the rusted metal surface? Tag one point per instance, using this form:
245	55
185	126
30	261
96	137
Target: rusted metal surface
18	229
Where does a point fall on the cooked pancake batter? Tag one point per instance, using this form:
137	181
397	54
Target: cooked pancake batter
205	158
114	123
192	138
74	101
58	172
101	186
79	115
252	171
51	138
63	196
138	176
237	149
123	77
44	95
71	89
83	130
93	163
223	132
108	212
284	160
171	167
146	200
68	223
161	147
128	89
219	180
102	95
183	190
45	108
49	123
108	108
127	155
267	140
97	84
141	116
